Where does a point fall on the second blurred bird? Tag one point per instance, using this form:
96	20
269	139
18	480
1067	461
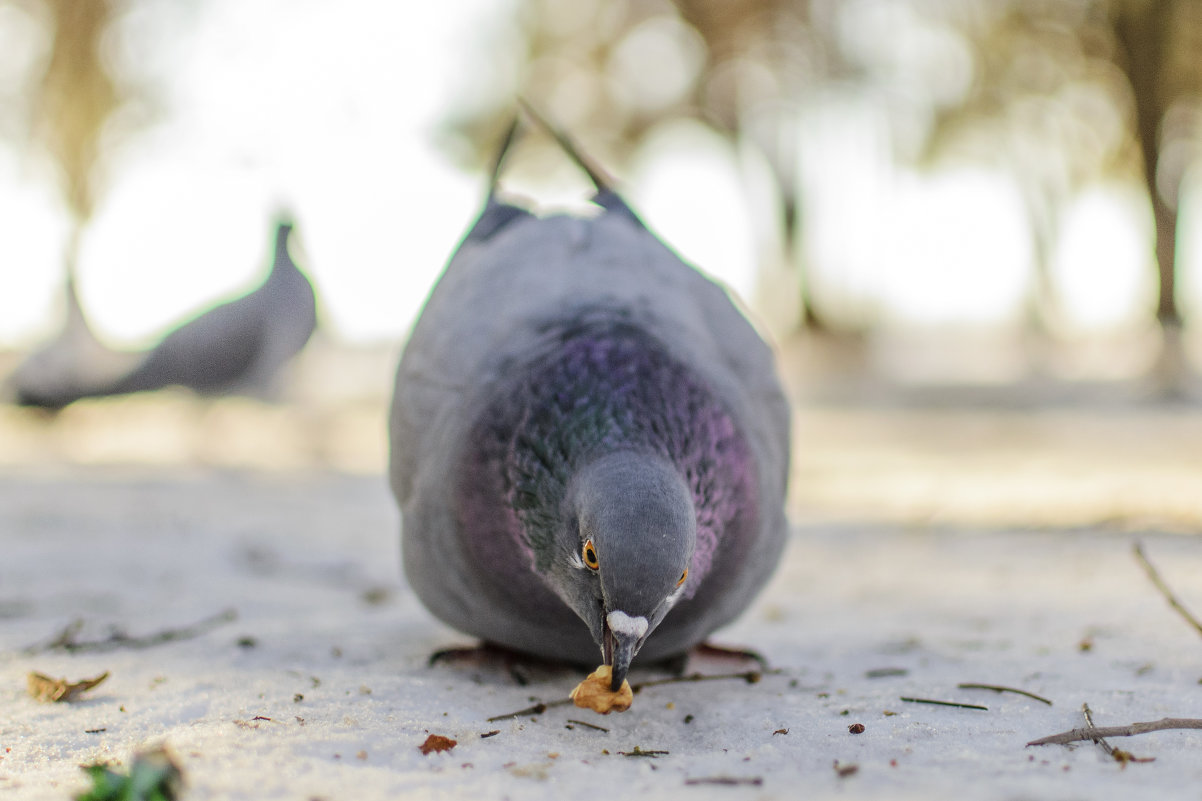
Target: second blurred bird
235	347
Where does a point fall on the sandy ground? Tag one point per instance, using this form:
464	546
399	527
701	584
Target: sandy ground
931	548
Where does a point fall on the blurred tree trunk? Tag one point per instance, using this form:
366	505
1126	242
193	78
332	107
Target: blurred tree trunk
71	102
1143	29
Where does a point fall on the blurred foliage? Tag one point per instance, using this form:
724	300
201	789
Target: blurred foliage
1068	93
1059	93
153	776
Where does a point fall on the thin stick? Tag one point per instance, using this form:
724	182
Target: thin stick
945	703
754	781
642	752
588	725
1097	738
751	677
997	688
1074	735
1154	575
537	709
66	641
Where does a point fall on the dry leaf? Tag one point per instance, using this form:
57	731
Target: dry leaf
594	693
45	688
436	743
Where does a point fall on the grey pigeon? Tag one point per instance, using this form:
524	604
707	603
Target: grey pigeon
237	346
589	442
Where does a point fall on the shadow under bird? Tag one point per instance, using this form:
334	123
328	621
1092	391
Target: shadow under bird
235	347
589	442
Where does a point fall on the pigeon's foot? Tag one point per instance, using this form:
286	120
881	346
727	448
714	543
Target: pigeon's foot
491	659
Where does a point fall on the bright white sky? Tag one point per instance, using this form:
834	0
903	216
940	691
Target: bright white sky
331	110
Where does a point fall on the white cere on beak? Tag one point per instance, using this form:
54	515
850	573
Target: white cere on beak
622	623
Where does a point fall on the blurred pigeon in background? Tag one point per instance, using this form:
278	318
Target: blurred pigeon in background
589	441
235	347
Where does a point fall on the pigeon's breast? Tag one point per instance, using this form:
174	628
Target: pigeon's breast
599	384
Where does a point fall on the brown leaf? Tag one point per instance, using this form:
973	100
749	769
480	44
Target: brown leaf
48	689
436	743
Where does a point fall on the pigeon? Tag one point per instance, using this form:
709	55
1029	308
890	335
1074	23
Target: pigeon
236	347
589	442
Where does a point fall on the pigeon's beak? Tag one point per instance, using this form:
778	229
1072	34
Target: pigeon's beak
623	636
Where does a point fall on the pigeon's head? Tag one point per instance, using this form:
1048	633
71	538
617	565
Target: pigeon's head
629	535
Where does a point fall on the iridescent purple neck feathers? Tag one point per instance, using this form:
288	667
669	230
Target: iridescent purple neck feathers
598	388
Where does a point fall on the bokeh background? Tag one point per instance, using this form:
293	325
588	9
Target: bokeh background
970	225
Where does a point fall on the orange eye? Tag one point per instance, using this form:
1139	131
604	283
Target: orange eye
589	554
683	576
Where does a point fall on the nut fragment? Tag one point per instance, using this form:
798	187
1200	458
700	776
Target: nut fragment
594	693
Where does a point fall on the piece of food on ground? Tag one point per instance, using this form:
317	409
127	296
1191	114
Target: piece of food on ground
594	693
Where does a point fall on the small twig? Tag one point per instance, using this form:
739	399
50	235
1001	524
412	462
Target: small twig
1097	738
537	709
588	725
1075	735
1154	575
998	688
751	677
734	781
945	703
65	640
644	752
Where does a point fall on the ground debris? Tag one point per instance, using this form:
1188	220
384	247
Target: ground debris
998	688
1095	732
751	677
956	704
644	752
1159	583
587	725
733	781
48	689
436	743
66	640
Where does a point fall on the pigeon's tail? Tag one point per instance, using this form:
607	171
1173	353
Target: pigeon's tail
497	213
494	175
596	174
606	197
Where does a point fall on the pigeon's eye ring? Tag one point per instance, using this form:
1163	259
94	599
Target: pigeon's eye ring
589	554
683	576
